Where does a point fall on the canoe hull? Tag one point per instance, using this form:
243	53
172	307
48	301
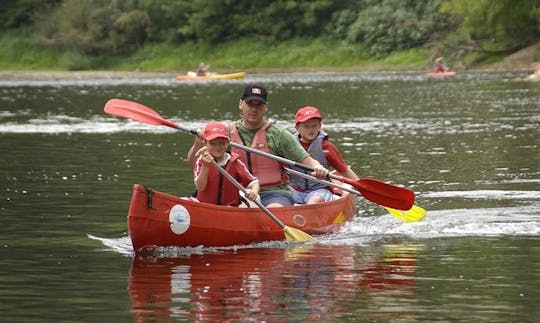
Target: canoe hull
157	219
440	75
191	77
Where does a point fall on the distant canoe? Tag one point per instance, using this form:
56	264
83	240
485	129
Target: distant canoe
192	76
440	75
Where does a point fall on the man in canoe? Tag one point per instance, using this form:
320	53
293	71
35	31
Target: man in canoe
308	123
211	186
255	131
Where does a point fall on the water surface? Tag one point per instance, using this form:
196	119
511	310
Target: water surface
467	146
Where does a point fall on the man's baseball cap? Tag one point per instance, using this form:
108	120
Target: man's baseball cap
255	92
306	113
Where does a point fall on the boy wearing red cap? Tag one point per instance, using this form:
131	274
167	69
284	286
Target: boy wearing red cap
212	186
308	123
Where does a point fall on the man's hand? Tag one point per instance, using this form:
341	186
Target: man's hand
320	172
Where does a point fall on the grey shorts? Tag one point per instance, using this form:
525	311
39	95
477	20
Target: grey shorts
303	197
283	198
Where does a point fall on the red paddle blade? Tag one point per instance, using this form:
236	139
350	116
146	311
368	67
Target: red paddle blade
136	111
383	193
120	103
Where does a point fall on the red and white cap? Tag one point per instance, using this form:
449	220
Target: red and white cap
306	113
215	130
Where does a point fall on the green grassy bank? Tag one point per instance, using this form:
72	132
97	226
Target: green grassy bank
20	52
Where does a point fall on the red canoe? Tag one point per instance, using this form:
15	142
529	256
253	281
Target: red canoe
440	75
157	219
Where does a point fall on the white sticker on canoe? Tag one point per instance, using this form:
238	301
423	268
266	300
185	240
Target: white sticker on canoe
179	219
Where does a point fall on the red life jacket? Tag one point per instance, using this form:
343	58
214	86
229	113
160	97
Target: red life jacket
267	170
220	190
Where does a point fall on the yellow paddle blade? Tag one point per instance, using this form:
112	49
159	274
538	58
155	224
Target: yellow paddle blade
299	252
414	214
293	234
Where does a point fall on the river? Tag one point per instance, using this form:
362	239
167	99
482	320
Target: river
468	147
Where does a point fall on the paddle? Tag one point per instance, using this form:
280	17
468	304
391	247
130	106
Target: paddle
414	214
291	234
374	190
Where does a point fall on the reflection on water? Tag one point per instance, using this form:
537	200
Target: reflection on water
298	283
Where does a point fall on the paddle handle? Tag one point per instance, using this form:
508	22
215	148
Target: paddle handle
271	156
179	127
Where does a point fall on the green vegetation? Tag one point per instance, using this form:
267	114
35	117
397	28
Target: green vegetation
258	36
225	57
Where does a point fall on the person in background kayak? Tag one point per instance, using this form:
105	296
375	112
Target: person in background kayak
212	186
255	131
536	73
308	124
439	65
202	69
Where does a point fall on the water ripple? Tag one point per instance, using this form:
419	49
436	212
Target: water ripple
62	123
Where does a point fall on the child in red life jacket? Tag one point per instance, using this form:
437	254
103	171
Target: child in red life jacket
213	187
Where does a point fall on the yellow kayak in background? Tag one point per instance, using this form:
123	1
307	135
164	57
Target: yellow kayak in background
191	76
